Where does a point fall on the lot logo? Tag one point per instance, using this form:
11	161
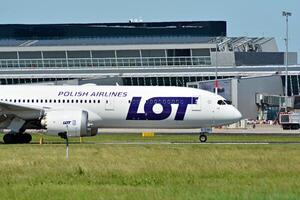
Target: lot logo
165	103
73	122
66	122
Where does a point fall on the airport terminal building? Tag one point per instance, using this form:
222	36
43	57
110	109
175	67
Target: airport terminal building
139	53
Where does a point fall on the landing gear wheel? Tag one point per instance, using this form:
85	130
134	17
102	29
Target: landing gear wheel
17	138
9	139
27	138
202	138
23	138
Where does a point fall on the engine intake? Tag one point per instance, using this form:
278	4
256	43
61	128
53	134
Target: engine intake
74	122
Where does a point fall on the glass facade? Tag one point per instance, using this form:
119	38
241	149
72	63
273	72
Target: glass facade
293	84
180	81
131	29
11	81
109	58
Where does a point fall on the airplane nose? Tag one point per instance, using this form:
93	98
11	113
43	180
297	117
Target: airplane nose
237	115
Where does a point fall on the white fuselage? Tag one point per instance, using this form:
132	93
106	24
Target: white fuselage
126	106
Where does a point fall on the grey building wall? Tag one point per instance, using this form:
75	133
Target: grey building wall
292	57
247	89
269	46
223	58
259	58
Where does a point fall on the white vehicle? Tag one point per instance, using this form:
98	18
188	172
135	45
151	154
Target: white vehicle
78	111
289	120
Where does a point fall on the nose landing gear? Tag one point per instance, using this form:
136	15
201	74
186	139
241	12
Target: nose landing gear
203	134
202	137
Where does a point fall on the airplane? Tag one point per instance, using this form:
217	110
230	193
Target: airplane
78	111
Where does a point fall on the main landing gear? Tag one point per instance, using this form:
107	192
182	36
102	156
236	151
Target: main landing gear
17	138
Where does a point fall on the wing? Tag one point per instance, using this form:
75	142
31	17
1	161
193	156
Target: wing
21	111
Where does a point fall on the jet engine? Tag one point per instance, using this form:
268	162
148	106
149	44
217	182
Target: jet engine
73	122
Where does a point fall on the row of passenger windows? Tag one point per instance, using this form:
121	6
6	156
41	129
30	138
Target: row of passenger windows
50	101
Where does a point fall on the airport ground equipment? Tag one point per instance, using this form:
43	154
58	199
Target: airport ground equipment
289	120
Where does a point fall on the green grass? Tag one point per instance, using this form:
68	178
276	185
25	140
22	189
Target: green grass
173	138
151	171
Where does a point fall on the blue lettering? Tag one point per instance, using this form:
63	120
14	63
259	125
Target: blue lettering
165	102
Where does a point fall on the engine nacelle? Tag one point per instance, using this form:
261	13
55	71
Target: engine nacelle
74	122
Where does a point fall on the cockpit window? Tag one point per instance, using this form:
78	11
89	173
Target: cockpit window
224	102
228	102
221	102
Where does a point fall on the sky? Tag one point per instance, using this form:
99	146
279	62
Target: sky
252	18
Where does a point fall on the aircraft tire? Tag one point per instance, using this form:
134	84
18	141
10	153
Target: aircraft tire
203	138
27	138
9	139
17	138
23	138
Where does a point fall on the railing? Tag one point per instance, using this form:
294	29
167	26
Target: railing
106	62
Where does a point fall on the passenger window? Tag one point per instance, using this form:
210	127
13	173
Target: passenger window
76	100
98	101
68	101
41	100
72	101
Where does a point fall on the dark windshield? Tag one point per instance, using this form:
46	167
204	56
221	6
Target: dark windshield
228	102
221	102
224	102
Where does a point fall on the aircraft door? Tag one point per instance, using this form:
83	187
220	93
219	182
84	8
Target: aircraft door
198	105
109	104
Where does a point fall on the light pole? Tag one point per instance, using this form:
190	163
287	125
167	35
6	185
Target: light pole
286	15
216	70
